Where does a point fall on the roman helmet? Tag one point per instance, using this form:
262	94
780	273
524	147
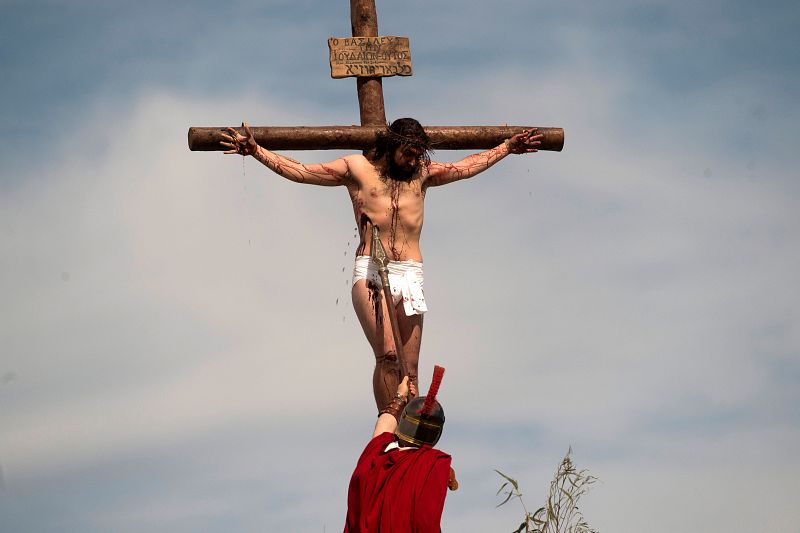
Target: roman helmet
423	418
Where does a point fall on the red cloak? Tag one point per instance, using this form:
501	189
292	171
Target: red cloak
399	491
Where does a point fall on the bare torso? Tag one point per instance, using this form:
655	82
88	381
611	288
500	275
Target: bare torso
396	207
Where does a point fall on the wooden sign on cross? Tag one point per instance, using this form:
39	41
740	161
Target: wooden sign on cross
364	21
382	56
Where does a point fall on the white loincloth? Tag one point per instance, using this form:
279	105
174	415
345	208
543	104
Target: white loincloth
405	280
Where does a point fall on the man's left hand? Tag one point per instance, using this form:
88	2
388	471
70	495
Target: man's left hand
525	142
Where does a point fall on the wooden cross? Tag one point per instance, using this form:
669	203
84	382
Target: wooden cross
364	20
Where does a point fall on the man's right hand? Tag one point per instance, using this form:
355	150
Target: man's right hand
405	387
238	143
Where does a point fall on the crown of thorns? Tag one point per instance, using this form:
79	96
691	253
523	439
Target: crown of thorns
415	141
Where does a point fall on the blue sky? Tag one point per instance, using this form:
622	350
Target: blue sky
177	347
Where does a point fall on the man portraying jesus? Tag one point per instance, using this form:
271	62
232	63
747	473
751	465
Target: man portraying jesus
387	190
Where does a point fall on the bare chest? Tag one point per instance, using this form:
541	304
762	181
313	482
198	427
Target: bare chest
375	194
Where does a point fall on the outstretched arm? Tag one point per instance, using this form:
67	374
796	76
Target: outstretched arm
326	174
444	173
387	420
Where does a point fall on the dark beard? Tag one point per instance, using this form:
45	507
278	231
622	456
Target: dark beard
398	174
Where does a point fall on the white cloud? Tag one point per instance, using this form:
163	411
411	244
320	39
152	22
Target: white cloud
161	274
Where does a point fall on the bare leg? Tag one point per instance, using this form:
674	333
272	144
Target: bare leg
371	311
411	334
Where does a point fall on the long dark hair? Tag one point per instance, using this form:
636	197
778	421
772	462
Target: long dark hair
402	132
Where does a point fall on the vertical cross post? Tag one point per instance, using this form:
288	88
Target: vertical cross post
364	21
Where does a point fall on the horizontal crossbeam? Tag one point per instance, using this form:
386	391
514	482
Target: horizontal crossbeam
363	137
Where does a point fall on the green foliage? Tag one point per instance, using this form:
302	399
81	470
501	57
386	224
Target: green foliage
560	513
